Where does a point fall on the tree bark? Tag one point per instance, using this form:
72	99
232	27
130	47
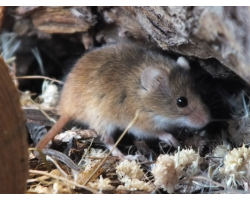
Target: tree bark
203	32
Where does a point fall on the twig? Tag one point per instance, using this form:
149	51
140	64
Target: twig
63	179
89	146
39	77
117	142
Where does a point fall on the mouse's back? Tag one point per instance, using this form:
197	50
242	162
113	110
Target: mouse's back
109	75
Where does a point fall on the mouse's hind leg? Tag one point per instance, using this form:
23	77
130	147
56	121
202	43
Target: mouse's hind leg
108	140
106	131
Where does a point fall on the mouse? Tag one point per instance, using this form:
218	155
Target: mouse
107	85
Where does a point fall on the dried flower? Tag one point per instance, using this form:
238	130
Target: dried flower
131	175
41	190
135	184
49	96
130	169
168	169
220	151
165	173
101	184
61	188
25	99
236	166
186	157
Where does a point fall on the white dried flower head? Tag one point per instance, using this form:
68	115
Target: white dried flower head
67	136
165	173
237	166
168	169
130	169
41	190
135	184
186	157
101	184
25	99
49	96
121	187
92	152
61	188
220	151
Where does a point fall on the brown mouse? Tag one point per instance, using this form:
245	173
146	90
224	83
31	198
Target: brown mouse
107	85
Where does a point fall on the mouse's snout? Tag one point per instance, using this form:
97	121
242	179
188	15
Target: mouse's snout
204	119
199	118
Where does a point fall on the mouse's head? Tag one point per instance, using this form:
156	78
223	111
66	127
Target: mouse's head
170	97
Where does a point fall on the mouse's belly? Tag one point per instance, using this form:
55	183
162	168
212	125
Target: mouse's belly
141	133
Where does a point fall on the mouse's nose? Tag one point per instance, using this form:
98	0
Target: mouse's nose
200	117
203	114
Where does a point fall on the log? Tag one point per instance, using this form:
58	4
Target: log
63	20
13	142
2	10
202	32
220	33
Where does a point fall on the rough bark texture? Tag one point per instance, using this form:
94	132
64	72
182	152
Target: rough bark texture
200	32
57	20
13	142
203	32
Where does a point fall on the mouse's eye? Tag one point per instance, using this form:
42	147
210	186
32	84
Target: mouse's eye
182	102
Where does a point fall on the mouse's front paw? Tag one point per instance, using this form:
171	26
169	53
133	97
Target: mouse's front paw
169	139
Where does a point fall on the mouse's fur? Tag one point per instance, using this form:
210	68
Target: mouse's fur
107	86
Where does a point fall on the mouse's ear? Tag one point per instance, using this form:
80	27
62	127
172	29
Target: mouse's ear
151	77
182	62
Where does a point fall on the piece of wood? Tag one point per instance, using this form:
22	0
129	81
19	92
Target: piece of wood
203	32
36	116
13	137
63	19
26	10
2	10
